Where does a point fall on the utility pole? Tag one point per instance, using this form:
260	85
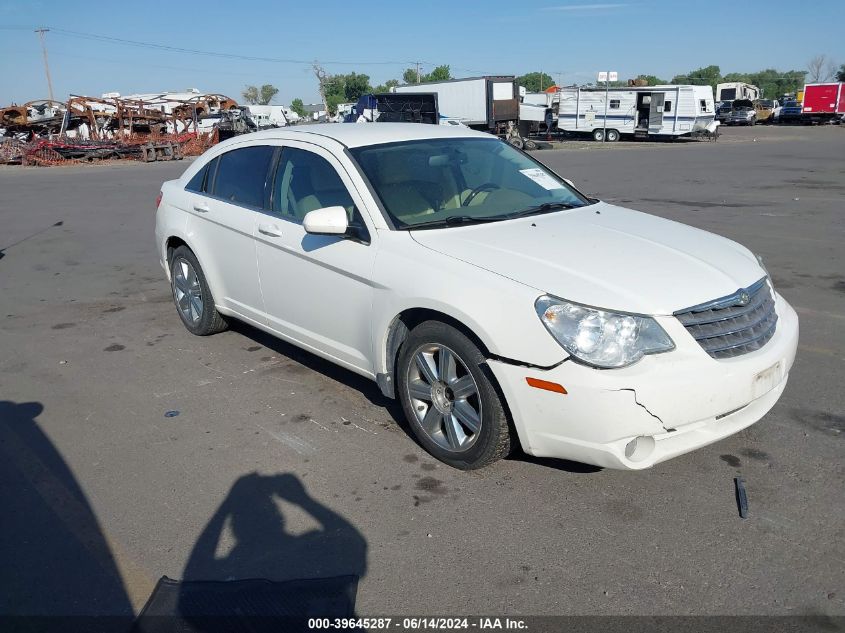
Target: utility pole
41	33
418	72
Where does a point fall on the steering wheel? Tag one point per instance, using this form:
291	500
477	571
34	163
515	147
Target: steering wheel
487	186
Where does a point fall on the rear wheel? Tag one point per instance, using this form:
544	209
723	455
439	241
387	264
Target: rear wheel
612	136
598	135
192	296
449	399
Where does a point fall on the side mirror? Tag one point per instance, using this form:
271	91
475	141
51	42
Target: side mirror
326	221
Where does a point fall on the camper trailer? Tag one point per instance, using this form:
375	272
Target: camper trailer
733	90
268	116
648	111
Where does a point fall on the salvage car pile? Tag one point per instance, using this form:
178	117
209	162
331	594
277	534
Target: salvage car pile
152	127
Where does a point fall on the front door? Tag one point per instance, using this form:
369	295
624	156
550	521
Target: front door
655	111
317	289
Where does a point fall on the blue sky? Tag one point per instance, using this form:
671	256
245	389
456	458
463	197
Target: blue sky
571	40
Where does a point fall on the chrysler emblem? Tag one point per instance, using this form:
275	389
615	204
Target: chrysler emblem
744	298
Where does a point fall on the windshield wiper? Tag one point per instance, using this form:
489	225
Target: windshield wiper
546	207
453	220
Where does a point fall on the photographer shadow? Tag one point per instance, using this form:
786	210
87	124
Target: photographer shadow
253	568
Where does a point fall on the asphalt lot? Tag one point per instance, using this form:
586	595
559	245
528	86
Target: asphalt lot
102	494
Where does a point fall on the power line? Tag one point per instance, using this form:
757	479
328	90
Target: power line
193	51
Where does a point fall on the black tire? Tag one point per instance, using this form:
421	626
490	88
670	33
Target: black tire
210	320
517	142
612	136
494	437
598	135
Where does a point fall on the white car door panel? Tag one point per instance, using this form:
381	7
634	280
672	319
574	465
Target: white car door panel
317	289
222	226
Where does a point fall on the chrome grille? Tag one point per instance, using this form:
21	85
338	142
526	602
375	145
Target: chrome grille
734	325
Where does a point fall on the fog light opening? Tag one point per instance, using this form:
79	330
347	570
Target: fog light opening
639	448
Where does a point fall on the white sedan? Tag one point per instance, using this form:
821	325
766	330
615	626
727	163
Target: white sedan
498	303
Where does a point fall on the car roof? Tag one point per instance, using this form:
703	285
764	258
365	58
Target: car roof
361	134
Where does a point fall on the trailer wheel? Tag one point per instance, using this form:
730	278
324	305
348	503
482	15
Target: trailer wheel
612	136
598	134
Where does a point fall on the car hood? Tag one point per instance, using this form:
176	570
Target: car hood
604	256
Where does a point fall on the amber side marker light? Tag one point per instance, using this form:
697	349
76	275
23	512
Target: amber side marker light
545	384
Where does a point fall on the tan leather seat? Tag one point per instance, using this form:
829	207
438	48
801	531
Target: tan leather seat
401	192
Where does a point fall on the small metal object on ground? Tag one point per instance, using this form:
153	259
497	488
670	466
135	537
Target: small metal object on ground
741	497
171	414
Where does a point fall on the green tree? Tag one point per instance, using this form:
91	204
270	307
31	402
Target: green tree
254	95
536	81
355	85
707	76
386	86
344	89
297	106
440	73
840	74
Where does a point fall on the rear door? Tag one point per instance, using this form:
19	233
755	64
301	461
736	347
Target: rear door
655	111
222	225
317	289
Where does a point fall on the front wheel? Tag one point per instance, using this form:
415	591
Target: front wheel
612	136
598	135
449	399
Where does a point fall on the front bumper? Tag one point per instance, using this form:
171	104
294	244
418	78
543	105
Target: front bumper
669	403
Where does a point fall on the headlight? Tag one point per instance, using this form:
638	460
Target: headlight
601	338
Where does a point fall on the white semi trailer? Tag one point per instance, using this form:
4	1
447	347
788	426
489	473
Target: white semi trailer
487	103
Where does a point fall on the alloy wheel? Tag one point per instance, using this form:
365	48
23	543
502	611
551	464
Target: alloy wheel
187	291
444	397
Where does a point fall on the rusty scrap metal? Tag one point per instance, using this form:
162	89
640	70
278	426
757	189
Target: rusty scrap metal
163	126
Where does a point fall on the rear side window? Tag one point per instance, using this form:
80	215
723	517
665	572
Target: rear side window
241	175
198	181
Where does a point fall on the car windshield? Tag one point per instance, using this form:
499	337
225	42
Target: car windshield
766	104
433	183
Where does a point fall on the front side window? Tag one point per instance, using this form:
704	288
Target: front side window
242	174
305	181
432	180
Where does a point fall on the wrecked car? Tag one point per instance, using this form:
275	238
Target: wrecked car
742	113
499	304
767	110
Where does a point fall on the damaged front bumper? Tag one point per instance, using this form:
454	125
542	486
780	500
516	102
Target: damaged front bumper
661	407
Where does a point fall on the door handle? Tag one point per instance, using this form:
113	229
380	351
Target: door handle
270	230
201	207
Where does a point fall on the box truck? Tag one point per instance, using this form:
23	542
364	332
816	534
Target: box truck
823	102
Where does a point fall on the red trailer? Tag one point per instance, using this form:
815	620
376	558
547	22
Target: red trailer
824	102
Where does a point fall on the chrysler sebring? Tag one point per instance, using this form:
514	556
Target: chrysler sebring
498	303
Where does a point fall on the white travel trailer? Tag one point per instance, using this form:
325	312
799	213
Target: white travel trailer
734	90
266	116
648	111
